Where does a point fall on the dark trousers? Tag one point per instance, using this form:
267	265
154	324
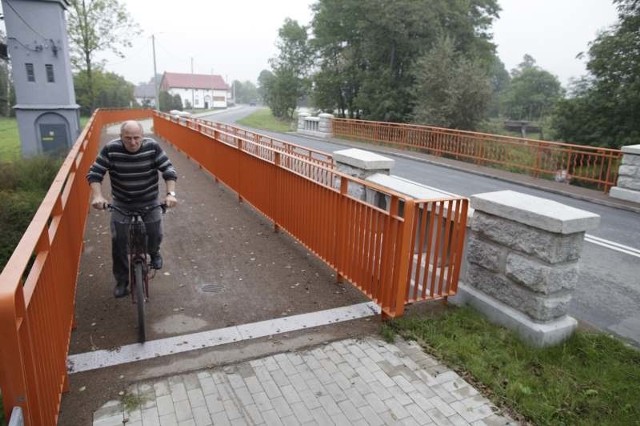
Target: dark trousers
120	239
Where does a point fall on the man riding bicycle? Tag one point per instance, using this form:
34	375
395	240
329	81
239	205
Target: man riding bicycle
133	163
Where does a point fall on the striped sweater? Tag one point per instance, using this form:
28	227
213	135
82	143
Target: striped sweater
134	175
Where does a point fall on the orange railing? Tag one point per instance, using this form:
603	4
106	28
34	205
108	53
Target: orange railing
397	251
586	165
38	284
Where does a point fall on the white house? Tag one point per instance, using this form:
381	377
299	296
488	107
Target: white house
202	91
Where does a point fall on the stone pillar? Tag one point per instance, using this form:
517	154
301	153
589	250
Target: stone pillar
522	263
325	124
361	164
301	117
628	187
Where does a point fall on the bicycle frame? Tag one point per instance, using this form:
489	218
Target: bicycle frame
138	260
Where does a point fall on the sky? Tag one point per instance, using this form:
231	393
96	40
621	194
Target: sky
236	38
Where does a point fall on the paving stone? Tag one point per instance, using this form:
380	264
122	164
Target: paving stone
178	392
196	397
164	404
214	404
150	417
201	416
231	410
370	416
349	410
254	414
282	407
183	410
271	418
166	420
363	382
329	405
301	412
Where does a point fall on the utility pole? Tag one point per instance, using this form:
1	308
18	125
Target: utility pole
193	90
155	74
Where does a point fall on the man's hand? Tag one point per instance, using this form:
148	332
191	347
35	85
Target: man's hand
99	203
170	201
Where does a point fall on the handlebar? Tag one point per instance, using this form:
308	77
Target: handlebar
142	212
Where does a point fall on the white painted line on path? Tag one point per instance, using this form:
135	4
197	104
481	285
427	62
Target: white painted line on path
208	339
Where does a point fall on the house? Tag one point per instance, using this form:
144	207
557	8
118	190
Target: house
145	94
201	91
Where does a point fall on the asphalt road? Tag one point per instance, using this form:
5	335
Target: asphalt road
608	293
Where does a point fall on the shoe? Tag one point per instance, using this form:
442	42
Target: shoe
121	290
156	261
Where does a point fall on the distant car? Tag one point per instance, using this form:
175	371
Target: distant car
252	103
177	113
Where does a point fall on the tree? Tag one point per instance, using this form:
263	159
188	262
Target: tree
500	79
532	92
265	81
108	90
169	102
6	85
94	26
245	92
289	81
368	50
603	108
451	90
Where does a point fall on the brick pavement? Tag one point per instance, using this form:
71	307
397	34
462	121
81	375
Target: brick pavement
347	382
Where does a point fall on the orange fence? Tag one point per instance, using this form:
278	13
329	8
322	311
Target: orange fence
38	285
395	250
586	165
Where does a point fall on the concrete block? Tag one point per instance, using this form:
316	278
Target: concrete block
408	187
362	159
628	182
535	211
535	333
537	306
541	278
629	171
631	149
486	254
625	194
550	247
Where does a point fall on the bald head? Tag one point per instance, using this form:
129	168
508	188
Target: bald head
131	135
131	125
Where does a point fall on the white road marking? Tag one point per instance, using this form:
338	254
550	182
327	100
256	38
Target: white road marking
612	245
207	339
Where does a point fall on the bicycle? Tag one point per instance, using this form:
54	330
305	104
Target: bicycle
139	267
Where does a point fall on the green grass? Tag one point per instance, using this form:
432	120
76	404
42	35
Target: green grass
591	379
9	139
264	120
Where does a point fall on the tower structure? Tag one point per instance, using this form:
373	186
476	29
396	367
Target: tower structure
46	110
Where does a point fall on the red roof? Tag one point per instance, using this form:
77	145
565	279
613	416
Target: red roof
173	80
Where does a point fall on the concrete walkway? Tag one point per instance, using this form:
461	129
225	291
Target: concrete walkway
348	382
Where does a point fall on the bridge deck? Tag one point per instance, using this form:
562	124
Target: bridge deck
223	266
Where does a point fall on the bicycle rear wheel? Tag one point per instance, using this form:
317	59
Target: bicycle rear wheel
140	302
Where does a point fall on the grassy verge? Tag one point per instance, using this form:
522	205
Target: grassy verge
263	119
9	139
591	379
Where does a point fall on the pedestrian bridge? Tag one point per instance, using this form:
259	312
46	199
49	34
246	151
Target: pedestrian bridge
395	249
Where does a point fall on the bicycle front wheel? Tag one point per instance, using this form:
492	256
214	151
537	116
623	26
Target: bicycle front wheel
140	302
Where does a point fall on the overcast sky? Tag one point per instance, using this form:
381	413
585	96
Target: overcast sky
236	38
